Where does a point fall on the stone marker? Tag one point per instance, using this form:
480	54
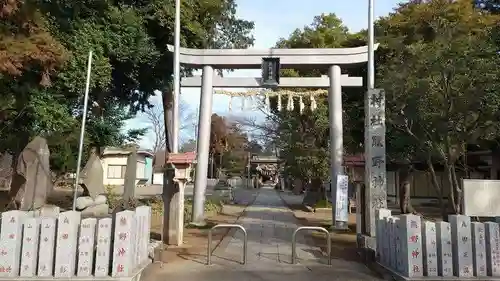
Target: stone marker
444	249
492	235
32	183
429	248
399	261
103	247
66	245
143	218
479	249
381	214
173	201
130	178
86	247
462	248
29	256
411	245
394	257
47	246
92	176
386	228
123	255
11	242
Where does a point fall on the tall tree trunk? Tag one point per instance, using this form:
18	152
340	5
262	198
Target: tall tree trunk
405	190
453	193
458	190
167	98
439	190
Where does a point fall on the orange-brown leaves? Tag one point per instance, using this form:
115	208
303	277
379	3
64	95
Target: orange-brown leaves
8	7
25	43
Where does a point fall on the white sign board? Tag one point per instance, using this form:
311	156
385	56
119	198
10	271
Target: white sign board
342	200
481	197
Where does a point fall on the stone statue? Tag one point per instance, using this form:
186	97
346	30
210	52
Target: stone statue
93	203
32	180
92	176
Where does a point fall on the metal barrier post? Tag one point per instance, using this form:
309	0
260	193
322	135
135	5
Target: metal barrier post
245	241
328	242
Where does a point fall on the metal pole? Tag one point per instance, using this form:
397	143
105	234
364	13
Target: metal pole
245	241
203	145
371	48
177	78
317	228
249	183
82	130
336	137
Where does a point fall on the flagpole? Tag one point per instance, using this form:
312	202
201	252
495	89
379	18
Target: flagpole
82	130
371	44
177	71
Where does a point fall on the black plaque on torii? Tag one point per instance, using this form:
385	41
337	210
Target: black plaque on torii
270	72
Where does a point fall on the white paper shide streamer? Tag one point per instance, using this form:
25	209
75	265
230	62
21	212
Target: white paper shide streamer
301	105
268	103
289	106
313	103
252	100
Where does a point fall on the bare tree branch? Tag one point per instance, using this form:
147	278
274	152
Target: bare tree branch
155	118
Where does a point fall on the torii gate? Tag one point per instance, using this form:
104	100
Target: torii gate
210	59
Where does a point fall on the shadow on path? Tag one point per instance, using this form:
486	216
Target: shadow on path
269	225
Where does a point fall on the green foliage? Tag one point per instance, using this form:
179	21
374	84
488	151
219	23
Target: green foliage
44	65
304	138
211	206
440	72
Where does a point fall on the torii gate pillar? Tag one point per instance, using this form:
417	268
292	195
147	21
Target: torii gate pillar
203	146
209	59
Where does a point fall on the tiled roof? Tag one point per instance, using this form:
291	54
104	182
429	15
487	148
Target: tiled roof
179	158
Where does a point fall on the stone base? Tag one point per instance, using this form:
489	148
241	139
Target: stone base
340	226
367	246
398	277
136	276
198	224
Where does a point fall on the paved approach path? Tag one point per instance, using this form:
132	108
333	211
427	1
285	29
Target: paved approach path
269	224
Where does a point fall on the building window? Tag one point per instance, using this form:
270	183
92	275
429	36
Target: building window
116	171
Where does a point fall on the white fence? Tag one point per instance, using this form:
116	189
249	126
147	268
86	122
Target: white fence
62	245
412	247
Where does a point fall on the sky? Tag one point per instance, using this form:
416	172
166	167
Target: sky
274	19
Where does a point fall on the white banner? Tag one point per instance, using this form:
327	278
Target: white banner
342	200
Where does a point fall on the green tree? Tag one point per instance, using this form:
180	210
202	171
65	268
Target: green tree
303	139
188	146
441	78
47	43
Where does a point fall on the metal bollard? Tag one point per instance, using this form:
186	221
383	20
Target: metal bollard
328	242
209	246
